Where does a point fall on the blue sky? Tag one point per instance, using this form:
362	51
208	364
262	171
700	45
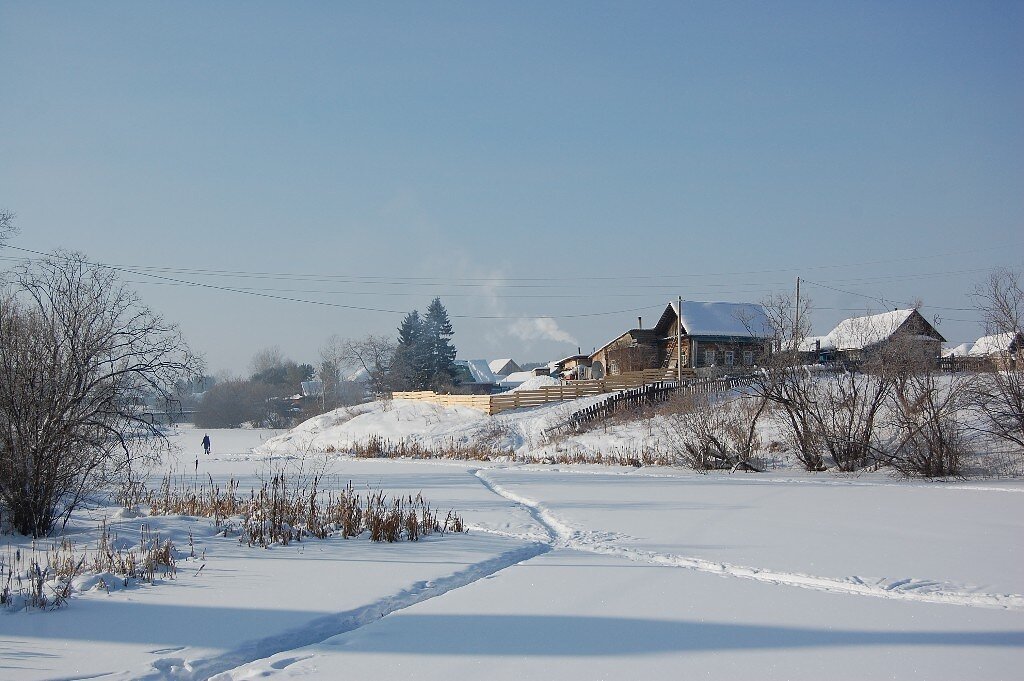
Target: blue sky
517	159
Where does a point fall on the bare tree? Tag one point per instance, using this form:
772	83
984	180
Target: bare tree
374	355
80	357
267	358
7	226
786	381
1000	394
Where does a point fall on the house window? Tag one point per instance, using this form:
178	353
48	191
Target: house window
748	358
730	358
709	358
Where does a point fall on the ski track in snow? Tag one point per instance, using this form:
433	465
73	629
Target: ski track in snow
921	590
323	628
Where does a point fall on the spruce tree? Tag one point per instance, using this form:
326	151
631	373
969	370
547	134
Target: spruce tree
440	352
409	370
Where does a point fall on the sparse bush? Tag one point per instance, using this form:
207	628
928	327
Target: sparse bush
927	411
713	432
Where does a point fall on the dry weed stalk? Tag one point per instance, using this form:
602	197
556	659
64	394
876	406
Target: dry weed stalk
43	578
282	511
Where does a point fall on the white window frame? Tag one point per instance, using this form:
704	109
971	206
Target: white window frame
730	358
709	358
748	358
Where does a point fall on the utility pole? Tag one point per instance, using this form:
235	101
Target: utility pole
679	340
796	316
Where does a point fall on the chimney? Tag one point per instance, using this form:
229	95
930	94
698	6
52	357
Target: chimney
639	322
579	350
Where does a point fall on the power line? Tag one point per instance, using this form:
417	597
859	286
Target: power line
336	305
504	280
152	278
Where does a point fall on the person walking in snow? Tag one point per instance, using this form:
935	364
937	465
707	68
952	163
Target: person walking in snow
206	444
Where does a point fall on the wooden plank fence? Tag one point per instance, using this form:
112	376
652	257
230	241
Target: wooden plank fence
649	394
571	390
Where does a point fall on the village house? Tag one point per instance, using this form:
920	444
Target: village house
855	338
1003	350
474	377
571	367
722	335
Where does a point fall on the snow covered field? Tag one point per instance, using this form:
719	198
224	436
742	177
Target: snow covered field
568	572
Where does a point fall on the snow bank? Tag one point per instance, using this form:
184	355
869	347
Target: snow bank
534	382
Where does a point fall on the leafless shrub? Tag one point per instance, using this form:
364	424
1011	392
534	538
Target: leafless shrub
844	406
712	431
1000	392
785	381
928	415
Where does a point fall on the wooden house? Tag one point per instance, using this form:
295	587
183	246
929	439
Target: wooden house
1004	350
855	338
721	335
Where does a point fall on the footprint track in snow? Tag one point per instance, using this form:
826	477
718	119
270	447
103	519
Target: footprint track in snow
563	535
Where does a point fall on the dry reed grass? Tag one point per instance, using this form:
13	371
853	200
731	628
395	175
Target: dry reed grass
43	577
284	510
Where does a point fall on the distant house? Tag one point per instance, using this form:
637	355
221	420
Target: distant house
1005	350
573	366
503	367
313	388
856	337
962	350
722	335
999	343
475	376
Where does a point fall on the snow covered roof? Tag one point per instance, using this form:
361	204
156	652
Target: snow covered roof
961	350
360	374
503	367
724	319
813	343
478	369
312	388
858	333
999	342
